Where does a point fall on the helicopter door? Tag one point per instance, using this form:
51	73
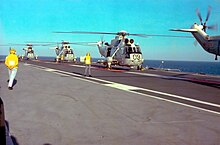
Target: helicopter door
128	51
108	51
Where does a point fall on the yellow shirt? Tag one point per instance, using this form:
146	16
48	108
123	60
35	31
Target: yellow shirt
88	59
11	61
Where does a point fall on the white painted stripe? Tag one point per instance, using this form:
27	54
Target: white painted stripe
155	75
49	69
122	86
82	66
60	74
26	64
143	74
49	62
77	65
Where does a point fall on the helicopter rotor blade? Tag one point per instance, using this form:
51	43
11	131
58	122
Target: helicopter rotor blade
108	33
176	36
213	27
86	32
57	43
199	15
5	45
208	14
121	33
139	35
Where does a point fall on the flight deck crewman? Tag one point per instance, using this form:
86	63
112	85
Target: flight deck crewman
88	61
11	61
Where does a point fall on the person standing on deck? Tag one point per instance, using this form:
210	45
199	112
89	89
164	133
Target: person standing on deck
88	61
11	62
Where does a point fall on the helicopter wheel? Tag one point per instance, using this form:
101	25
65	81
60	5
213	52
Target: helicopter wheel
139	67
109	65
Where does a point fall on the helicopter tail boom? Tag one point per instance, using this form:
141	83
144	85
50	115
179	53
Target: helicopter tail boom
185	30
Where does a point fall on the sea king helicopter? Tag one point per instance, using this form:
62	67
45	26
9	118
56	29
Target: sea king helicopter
211	44
65	52
122	51
29	53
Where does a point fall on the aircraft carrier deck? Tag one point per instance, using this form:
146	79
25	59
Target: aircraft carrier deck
54	104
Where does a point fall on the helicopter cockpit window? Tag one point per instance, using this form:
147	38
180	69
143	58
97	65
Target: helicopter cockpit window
129	50
70	51
106	43
138	49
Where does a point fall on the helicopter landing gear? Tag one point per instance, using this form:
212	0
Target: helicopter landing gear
109	65
139	67
109	62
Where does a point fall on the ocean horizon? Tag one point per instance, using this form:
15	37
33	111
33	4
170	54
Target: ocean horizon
201	67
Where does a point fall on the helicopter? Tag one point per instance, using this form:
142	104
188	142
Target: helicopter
29	53
64	52
121	51
211	44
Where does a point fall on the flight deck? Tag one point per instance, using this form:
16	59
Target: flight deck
54	103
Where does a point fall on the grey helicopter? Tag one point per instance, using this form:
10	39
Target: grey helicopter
64	52
121	51
29	53
211	44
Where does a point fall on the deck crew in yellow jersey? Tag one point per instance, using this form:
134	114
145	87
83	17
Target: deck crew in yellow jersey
11	62
88	61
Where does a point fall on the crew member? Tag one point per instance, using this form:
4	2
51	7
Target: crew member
88	61
11	61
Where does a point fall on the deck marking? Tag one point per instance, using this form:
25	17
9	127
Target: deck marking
132	88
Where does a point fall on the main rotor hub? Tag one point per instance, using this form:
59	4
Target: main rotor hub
65	42
122	33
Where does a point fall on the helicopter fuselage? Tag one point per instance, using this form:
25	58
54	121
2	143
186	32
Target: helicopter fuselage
210	44
29	53
65	53
122	51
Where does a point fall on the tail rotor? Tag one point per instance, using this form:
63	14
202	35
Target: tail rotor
211	27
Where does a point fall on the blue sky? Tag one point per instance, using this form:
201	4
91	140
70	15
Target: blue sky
35	20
